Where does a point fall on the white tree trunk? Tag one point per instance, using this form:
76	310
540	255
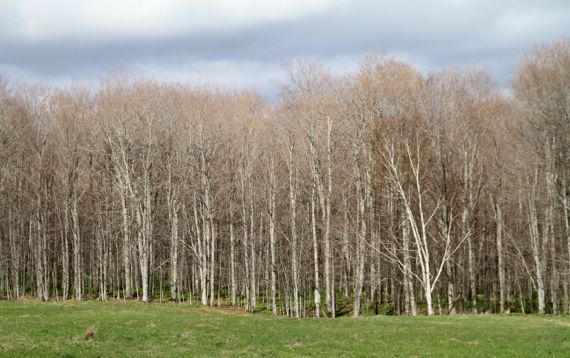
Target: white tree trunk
361	240
15	259
64	250
500	264
77	271
536	252
252	281
293	220
174	253
272	238
409	294
566	213
315	256
232	256
552	197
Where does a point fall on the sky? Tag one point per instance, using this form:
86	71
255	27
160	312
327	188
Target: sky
243	43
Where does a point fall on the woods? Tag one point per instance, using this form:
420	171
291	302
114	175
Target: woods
381	191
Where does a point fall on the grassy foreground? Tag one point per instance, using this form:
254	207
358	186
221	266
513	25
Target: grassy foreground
58	329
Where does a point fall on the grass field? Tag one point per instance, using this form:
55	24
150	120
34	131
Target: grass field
58	329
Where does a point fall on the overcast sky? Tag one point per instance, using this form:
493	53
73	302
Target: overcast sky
242	43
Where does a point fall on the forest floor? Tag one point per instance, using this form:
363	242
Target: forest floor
105	329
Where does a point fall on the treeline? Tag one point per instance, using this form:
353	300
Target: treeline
381	191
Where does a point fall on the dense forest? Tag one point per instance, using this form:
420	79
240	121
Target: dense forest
382	191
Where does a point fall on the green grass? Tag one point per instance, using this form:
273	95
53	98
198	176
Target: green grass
57	329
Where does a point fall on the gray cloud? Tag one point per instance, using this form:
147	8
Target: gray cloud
429	34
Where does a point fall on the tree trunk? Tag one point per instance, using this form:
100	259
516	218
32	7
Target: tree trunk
293	221
566	213
65	251
212	259
536	252
232	256
77	267
361	240
500	263
409	294
329	278
315	255
252	282
14	257
174	253
552	197
272	239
